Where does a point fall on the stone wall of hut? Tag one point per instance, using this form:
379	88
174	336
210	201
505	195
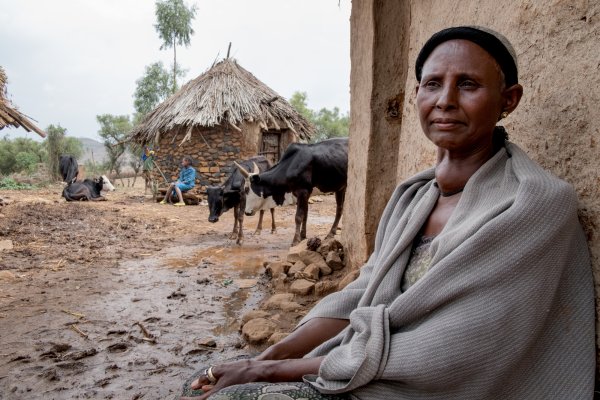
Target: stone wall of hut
213	150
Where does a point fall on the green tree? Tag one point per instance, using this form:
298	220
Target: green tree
114	130
152	89
174	27
328	123
298	101
20	155
58	143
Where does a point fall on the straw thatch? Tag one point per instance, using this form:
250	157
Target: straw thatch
226	94
9	115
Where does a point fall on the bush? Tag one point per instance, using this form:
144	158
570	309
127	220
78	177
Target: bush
10	184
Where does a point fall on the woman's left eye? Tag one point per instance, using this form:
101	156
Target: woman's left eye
468	84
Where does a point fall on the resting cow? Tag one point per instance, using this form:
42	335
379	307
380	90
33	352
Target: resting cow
232	195
88	189
323	165
68	168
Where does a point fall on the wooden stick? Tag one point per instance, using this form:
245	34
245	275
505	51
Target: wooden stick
78	315
76	329
145	331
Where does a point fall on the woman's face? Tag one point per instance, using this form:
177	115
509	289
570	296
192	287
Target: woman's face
185	162
460	97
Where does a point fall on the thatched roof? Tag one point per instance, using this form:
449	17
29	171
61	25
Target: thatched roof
226	94
9	115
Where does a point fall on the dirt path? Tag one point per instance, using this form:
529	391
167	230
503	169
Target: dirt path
81	276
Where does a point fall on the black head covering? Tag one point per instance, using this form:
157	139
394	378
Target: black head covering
494	43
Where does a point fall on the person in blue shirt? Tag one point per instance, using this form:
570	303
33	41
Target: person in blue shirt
186	181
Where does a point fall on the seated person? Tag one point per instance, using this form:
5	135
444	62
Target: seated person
186	181
480	285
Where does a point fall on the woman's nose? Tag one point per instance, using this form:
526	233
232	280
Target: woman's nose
448	96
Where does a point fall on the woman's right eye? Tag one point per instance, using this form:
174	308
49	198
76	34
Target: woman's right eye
432	84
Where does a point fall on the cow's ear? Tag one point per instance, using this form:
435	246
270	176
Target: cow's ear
255	178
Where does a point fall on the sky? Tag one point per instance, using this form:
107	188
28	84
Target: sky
70	60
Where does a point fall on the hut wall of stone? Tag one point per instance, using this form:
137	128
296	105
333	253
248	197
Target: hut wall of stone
213	150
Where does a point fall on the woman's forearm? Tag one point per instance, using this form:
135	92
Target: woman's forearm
304	339
291	370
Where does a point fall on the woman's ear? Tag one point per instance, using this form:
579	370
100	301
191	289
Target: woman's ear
511	97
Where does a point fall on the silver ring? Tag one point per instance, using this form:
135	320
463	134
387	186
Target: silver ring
210	376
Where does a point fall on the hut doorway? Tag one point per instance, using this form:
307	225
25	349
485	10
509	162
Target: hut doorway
270	147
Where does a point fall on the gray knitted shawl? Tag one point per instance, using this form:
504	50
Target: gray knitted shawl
506	310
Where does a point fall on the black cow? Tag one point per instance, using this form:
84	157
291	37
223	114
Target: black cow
87	190
302	167
68	168
232	195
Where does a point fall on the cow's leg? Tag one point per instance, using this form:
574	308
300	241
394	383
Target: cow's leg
339	207
234	234
261	214
301	214
240	217
273	227
99	198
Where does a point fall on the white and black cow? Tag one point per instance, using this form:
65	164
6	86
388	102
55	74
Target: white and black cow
89	189
232	195
302	167
68	168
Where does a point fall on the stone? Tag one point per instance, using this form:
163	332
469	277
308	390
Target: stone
329	245
313	243
334	261
349	278
206	342
214	169
203	170
275	301
297	267
7	276
6	244
289	306
253	315
294	251
312	272
302	287
258	330
325	287
277	337
277	267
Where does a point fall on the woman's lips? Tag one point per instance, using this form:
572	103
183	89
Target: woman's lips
446	123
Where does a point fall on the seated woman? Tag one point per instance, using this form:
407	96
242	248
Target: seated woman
186	181
480	284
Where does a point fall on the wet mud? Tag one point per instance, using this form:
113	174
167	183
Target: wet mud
125	299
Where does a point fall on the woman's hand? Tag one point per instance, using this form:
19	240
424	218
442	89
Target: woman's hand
246	371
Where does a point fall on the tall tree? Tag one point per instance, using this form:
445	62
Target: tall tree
328	123
114	130
152	89
174	27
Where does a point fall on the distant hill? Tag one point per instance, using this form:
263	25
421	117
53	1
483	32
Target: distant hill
92	149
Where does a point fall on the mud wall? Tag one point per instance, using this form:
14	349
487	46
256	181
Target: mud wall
557	122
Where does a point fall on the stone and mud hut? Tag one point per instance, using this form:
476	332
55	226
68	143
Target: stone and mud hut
224	115
10	116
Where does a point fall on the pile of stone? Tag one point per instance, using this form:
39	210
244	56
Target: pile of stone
311	270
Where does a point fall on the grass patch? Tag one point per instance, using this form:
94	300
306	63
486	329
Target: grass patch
10	184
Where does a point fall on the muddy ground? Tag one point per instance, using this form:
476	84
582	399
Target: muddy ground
118	299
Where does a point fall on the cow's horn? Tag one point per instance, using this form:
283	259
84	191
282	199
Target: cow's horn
242	170
256	170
